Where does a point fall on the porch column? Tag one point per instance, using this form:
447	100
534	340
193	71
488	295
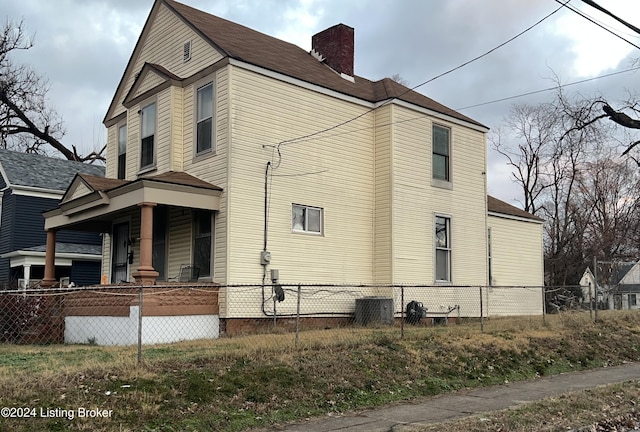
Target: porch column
50	260
145	274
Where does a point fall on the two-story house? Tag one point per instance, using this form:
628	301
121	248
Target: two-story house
240	153
29	185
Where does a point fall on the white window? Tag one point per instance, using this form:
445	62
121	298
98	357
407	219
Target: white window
443	249
441	153
122	151
204	115
306	219
148	134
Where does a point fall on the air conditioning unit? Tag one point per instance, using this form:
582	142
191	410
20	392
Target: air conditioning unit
64	282
22	284
374	310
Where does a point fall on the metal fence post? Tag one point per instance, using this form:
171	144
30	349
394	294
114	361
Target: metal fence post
140	325
544	305
298	317
595	277
481	313
401	312
590	303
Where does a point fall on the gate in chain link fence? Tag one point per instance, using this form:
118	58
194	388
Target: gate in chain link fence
131	315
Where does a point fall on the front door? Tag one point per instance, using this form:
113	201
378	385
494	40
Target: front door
119	254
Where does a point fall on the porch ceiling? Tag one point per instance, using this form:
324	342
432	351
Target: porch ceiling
94	211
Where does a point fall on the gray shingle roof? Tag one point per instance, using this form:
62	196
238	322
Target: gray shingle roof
69	248
27	169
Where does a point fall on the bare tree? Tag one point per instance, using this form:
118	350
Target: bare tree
609	189
27	123
532	129
553	148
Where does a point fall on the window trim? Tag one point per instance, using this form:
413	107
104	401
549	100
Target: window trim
118	153
306	219
152	165
448	249
438	182
196	89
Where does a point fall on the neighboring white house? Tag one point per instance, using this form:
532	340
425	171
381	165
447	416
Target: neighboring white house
619	288
240	153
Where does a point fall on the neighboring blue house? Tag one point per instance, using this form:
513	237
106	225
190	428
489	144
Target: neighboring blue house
29	185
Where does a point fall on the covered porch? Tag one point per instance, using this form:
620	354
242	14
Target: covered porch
139	219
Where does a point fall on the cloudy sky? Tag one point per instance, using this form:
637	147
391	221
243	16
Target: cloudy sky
83	46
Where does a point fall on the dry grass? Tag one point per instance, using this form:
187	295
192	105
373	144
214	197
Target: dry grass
236	383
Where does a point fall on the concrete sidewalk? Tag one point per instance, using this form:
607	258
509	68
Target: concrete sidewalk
397	418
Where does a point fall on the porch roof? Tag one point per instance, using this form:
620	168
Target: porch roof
93	209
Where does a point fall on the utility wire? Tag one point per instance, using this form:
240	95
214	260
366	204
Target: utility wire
596	23
548	89
305	137
421	117
603	10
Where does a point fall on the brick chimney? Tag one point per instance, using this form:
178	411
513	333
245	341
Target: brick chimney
335	45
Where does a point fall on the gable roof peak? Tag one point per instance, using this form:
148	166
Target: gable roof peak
250	47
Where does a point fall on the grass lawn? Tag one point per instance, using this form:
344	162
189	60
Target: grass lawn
233	384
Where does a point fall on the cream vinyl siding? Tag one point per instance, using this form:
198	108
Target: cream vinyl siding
513	301
416	201
179	239
334	173
163	44
111	168
151	79
516	252
211	167
383	238
106	256
81	190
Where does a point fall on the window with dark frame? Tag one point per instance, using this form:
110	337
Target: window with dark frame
306	219
204	127
441	153
443	249
159	241
122	151
202	230
148	133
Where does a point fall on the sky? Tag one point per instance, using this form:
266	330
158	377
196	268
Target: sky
83	46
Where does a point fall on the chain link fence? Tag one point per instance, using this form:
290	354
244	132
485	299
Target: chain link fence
151	317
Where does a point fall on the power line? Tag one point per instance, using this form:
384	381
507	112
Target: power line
603	10
420	117
596	23
305	137
548	89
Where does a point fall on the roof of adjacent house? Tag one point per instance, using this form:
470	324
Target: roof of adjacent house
497	206
250	46
38	171
69	248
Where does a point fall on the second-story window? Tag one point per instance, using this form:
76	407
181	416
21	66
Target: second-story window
204	128
441	153
148	135
122	151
